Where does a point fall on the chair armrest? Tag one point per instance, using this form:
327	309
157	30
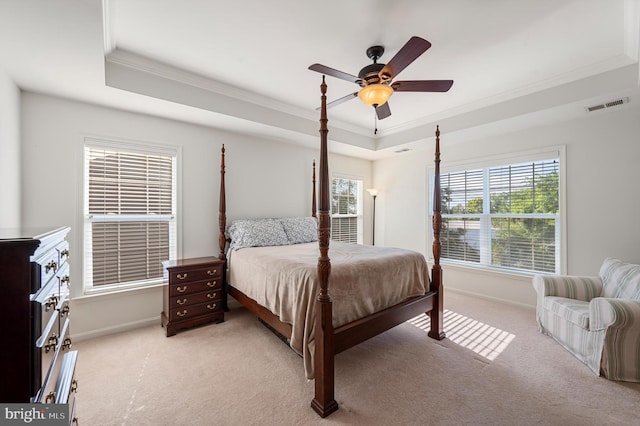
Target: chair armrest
607	312
569	286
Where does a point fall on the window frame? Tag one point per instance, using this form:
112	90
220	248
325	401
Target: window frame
360	207
175	246
507	159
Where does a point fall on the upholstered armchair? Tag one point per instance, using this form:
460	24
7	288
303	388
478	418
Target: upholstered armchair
597	319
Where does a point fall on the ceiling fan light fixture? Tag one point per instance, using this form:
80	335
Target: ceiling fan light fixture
375	94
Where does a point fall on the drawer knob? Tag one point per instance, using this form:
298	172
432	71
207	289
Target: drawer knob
181	314
74	386
211	295
182	277
65	279
51	398
212	306
181	302
211	283
181	289
51	265
209	272
65	253
65	310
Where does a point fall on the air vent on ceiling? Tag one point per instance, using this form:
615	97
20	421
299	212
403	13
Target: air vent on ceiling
402	150
607	104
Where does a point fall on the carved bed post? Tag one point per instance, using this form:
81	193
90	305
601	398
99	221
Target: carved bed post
323	402
436	314
313	194
222	212
222	225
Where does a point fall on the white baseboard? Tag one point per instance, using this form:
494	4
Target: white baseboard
484	296
116	329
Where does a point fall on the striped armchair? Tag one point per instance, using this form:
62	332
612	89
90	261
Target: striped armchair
597	319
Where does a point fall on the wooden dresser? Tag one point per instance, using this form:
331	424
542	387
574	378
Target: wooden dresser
193	294
37	365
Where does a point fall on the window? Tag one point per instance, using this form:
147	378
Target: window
130	214
504	216
346	210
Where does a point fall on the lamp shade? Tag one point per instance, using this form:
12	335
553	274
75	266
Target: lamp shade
372	191
375	94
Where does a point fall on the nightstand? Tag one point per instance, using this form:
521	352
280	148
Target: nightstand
193	294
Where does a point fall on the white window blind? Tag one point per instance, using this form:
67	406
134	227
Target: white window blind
505	216
346	210
130	207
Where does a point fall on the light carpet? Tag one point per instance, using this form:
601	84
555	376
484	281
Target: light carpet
493	369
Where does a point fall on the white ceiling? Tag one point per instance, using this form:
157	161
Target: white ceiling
242	65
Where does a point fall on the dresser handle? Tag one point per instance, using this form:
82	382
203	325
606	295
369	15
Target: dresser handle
65	310
181	314
64	253
211	295
51	265
65	279
50	398
52	342
181	289
67	343
211	272
181	302
182	277
211	284
74	386
212	306
52	302
74	421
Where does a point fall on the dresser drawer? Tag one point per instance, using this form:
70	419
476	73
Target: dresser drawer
185	288
195	298
194	310
52	367
183	275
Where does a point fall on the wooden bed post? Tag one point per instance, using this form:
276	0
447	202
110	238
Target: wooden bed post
323	402
222	212
313	194
222	225
437	313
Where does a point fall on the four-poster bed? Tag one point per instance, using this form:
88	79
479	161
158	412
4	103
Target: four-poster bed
320	318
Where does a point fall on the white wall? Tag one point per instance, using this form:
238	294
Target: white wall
602	174
264	178
9	152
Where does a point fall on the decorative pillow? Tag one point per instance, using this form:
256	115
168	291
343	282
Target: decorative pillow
256	233
300	229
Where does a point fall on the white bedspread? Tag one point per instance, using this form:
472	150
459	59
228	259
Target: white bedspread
363	280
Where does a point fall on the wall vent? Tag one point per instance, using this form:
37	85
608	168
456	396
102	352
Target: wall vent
607	104
402	150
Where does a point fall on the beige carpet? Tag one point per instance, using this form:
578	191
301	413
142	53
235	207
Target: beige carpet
494	369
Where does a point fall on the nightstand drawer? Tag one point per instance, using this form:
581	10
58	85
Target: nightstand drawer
188	275
195	310
195	298
194	287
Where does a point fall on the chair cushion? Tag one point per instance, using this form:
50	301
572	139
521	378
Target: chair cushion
574	311
620	280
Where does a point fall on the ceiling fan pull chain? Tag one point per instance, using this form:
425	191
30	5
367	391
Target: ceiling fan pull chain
375	120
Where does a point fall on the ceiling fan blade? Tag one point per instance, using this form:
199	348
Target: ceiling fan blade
383	111
322	69
340	100
415	47
422	85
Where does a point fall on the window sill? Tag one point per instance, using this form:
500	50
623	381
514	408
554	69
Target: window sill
117	293
518	275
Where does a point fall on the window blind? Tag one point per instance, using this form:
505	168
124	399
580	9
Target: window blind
130	208
505	216
346	210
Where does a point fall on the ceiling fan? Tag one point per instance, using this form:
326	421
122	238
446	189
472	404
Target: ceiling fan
375	79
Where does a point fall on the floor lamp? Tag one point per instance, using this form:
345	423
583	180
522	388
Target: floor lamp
374	194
